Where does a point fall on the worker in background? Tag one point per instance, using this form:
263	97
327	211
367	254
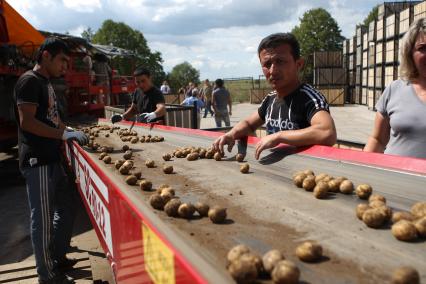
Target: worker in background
221	101
40	135
165	88
148	102
194	99
400	125
206	92
294	113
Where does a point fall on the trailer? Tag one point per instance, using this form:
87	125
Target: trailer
265	210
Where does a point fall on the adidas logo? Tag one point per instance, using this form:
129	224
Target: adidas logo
278	123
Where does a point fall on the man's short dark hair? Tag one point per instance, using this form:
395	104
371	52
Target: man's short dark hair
219	83
275	40
139	71
54	46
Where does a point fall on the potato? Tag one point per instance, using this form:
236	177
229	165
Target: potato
257	260
404	231
320	177
172	206
107	135
166	190
285	272
236	252
124	170
150	163
309	183
240	157
136	173
405	275
217	156
102	155
421	227
128	155
376	204
309	251
217	214
402	215
118	163
107	160
333	185
202	209
363	191
244	269
360	209
145	185
309	172
270	259
167	157
128	164
167	195
346	187
298	179
203	153
387	211
377	197
210	154
192	156
168	169
125	147
419	209
131	180
244	168
321	190
340	179
156	201
142	139
186	210
374	218
162	186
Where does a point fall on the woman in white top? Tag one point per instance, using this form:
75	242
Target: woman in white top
400	124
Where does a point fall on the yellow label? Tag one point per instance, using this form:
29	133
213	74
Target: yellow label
159	259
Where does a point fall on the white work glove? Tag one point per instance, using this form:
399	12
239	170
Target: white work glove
75	135
116	118
148	116
69	129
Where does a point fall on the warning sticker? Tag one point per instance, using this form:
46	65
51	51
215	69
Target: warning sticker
159	259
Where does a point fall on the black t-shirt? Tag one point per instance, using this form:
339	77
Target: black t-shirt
34	150
293	112
147	102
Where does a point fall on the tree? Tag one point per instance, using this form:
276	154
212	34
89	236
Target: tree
317	31
123	36
88	34
182	74
371	16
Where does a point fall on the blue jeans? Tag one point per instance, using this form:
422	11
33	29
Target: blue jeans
208	108
52	206
222	115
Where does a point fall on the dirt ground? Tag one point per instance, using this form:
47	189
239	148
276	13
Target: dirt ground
15	242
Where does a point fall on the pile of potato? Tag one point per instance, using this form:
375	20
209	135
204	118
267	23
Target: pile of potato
165	199
246	266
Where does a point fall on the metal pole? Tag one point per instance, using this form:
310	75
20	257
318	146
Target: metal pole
194	116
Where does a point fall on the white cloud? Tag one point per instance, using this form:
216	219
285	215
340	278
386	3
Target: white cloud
84	6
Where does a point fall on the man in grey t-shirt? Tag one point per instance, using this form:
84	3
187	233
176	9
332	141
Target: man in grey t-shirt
405	112
221	99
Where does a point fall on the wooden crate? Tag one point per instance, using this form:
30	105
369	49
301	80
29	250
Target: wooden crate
358	57
345	47
405	19
333	96
352	45
360	30
357	95
351	63
370	98
390	75
372	31
327	59
371	77
379	53
364	78
364	95
420	11
392	26
358	75
174	98
371	54
379	77
380	29
351	78
364	59
365	41
329	76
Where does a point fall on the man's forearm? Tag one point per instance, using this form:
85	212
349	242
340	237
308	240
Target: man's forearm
241	129
161	110
308	136
34	126
129	113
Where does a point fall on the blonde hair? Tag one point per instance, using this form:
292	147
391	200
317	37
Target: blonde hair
408	69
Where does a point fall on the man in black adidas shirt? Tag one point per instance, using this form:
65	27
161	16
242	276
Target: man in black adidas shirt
147	100
294	113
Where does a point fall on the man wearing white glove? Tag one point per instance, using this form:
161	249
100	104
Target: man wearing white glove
40	135
147	100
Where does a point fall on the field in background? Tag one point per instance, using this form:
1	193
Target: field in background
240	88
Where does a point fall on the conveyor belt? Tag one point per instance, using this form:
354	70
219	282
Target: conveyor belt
267	211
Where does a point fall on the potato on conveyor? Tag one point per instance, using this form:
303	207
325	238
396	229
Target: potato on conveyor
171	207
374	218
156	201
168	169
244	269
118	163
102	155
217	214
131	180
387	211
298	179
107	160
421	227
404	231
333	185
186	210
285	272
146	185
309	251
167	157
128	164
360	209
378	197
376	204
107	135
125	147
210	154
270	259
321	190
236	252
320	177
136	173
240	157
346	187
402	215
192	156
419	209
128	155
363	191
167	195
309	172
244	168
202	209
124	170
217	156
309	183
203	153
150	163
405	275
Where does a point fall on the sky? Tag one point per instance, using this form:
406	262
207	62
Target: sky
218	37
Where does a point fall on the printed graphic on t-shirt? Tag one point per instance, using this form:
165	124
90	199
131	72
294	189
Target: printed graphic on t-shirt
52	108
275	120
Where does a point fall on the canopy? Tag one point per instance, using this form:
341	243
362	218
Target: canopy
14	29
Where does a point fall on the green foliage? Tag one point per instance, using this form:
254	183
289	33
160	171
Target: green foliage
123	36
317	31
88	34
182	74
371	16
